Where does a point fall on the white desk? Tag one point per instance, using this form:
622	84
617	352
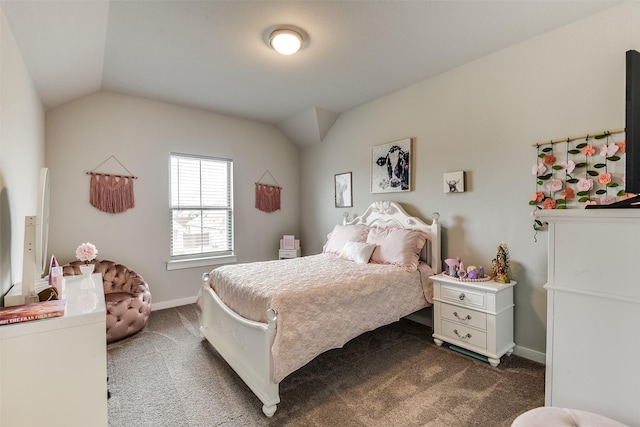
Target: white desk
53	372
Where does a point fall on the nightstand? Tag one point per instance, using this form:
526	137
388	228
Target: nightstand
476	316
288	253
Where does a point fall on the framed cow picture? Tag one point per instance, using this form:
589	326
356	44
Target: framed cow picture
391	167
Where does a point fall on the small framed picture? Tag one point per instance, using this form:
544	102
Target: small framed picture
344	194
391	167
454	182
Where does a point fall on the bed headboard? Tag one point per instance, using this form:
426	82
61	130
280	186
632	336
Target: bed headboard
391	214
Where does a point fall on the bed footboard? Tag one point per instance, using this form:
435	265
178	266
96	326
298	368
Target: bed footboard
244	344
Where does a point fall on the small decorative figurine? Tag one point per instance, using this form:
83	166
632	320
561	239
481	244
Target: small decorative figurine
453	264
501	264
472	272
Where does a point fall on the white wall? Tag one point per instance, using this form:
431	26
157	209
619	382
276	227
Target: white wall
140	133
21	154
483	118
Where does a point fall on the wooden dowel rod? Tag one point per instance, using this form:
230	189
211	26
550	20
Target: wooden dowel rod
112	174
573	138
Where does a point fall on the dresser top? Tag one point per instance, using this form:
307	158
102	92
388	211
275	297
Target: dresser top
550	215
489	285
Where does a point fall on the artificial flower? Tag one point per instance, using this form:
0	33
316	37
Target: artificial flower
622	146
568	166
568	194
549	203
590	202
538	169
607	199
627	196
585	184
538	196
554	185
549	159
589	150
534	214
604	178
608	150
86	252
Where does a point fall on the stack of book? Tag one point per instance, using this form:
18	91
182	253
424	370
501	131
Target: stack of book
33	311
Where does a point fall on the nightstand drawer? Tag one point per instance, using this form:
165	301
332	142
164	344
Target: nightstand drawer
461	333
463	296
288	253
463	316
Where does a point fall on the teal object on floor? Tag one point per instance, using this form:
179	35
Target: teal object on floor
469	353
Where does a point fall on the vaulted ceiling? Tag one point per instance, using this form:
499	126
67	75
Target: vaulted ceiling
212	54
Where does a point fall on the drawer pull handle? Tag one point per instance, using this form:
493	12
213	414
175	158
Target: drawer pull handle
462	337
462	319
462	296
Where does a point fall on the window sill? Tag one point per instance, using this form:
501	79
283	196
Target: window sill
201	262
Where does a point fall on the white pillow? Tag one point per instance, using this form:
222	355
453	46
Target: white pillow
357	251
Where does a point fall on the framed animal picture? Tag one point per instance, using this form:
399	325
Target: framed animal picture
453	182
391	167
343	190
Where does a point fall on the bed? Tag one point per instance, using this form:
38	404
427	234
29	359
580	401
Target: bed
268	319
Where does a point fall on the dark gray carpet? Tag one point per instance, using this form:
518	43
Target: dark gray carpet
167	375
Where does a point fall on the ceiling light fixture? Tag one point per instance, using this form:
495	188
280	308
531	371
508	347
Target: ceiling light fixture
286	41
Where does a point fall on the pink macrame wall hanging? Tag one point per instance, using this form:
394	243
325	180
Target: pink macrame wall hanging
110	192
267	195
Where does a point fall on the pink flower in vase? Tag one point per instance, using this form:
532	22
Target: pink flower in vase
86	252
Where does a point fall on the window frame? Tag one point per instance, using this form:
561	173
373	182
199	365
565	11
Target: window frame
210	258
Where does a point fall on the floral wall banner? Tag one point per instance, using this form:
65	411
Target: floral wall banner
579	171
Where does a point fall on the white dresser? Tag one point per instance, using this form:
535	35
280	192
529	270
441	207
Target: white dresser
476	316
53	372
593	312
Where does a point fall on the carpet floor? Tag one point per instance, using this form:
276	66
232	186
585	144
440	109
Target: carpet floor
167	375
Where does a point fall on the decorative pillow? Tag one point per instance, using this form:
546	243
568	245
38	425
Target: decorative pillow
397	246
357	251
342	234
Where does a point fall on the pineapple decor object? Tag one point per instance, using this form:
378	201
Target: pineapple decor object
501	264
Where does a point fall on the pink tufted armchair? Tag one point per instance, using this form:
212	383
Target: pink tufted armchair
127	297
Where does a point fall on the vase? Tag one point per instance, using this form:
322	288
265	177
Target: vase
87	269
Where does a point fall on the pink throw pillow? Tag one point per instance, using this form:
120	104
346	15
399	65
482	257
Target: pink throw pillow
397	246
342	234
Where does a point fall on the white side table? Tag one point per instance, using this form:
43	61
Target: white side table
288	253
476	316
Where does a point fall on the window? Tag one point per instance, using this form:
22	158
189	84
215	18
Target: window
201	207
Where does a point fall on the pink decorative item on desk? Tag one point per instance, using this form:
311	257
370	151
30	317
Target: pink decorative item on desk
86	252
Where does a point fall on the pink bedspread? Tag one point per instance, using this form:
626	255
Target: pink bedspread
322	301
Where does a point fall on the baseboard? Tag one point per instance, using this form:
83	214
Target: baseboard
527	353
173	303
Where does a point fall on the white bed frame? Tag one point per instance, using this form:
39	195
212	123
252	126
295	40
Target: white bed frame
246	345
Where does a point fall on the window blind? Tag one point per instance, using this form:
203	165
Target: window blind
201	206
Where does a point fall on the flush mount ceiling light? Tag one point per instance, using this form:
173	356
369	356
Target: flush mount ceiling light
286	41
